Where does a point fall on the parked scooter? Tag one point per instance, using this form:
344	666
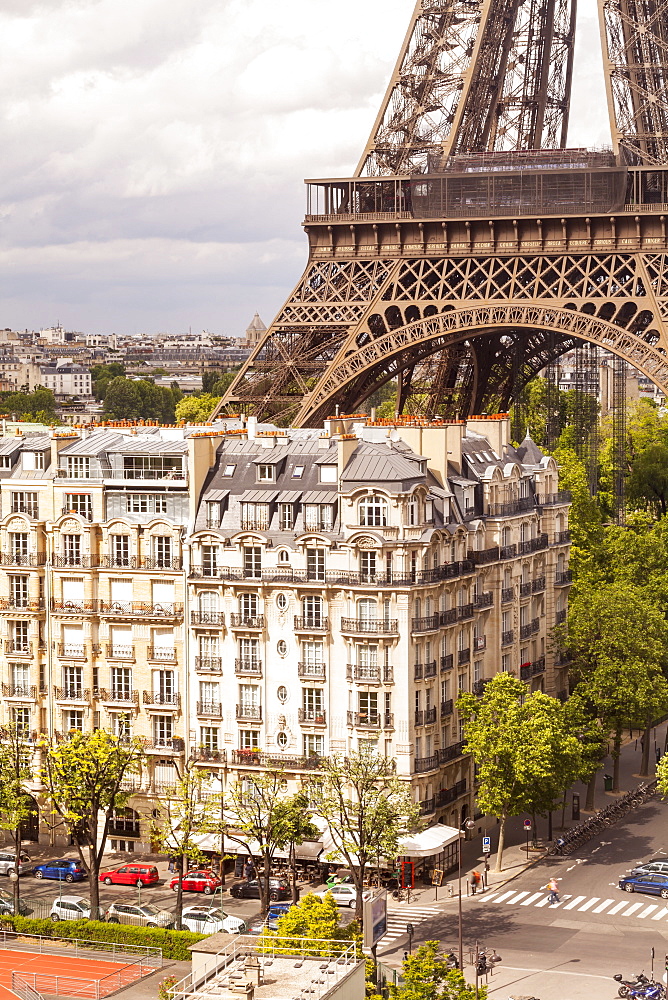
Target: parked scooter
626	985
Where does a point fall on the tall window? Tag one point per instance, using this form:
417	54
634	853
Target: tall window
209	646
120	549
71	550
19	541
213	513
208	737
315	564
286	516
265	473
248	606
318	516
24	503
20	674
413	511
313	745
80	503
145	503
164	687
19	633
368	706
73	682
21	717
249	739
121	683
209	696
210	560
121	726
366	614
252	560
368	566
249	653
312	657
18	589
373	512
163	730
73	720
313	702
77	467
312	608
162	551
255	516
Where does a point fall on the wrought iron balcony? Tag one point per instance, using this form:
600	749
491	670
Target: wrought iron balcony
72	651
165	744
427	806
22	559
447	662
209	664
538	584
311	623
73	693
562	537
525	589
463	656
24	691
364	720
365	673
447	795
249	713
120	696
17	647
245	665
508	551
560	617
447	708
518	506
446	754
507	594
479	686
311	671
120	652
373	626
140	609
428	624
464	611
67	560
161	653
165	699
423	764
482	557
316	716
507	637
21	604
210	709
207	617
256	758
485	600
530	629
75	607
247	621
563	577
553	499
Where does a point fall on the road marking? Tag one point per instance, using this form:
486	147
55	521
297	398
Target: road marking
602	906
571	868
632	909
531	899
490	895
504	895
517	898
588	904
575	902
616	909
646	912
595	849
661	914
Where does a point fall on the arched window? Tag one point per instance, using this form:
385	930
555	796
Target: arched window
373	512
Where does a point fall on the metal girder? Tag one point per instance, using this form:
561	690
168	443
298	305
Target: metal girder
635	56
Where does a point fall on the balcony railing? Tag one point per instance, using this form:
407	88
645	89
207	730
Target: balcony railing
343	578
507	637
560	617
21	604
430	715
119	696
364	720
538	584
464	611
161	653
249	713
447	795
430	669
311	623
538	666
207	617
427	624
165	744
32	510
423	764
165	699
447	708
72	651
446	754
418	671
210	709
447	662
463	656
18	647
256	758
479	686
22	559
562	537
67	560
28	691
73	694
525	589
511	507
369	673
141	609
483	556
247	621
508	551
375	626
530	629
169	564
485	600
311	671
507	594
120	652
75	607
316	716
552	499
243	665
107	561
209	664
427	806
563	577
479	642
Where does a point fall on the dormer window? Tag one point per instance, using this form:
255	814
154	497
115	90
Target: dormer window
229	470
265	473
413	511
429	510
5	461
373	512
78	467
329	473
298	472
33	460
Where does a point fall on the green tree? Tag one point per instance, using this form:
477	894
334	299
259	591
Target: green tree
196	409
618	643
426	976
15	803
647	484
101	376
123	399
315	918
188	810
584	518
367	808
27	405
84	775
294	815
524	751
223	382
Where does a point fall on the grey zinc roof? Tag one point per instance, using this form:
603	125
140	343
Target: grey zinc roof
529	453
144	445
94	444
320	496
8	446
216	495
378	463
258	496
36	442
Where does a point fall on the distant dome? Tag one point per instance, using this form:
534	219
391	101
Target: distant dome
256	325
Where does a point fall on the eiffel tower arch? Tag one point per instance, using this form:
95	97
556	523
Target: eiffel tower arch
472	248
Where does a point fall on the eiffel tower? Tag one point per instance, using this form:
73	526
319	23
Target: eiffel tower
472	247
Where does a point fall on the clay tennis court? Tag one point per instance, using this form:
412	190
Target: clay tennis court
67	975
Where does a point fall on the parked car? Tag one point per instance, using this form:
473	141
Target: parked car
653	867
197	880
70	908
8	863
135	874
343	895
140	916
650	882
211	920
251	889
7	905
67	869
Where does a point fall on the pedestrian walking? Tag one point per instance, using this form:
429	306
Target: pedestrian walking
172	863
553	891
475	882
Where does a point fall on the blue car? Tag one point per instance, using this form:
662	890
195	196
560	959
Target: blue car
65	869
653	883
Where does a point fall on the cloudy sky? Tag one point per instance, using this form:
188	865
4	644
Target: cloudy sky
153	151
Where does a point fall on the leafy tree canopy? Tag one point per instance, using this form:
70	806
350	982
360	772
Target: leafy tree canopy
196	409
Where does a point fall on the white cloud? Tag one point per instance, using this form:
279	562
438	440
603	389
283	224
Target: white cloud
154	150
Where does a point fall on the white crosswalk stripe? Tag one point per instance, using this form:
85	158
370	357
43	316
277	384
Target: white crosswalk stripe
580	904
399	917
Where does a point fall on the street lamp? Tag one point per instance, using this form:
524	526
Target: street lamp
468	824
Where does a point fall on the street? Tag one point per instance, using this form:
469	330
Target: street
569	951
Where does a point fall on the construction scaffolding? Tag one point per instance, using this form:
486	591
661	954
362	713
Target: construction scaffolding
619	439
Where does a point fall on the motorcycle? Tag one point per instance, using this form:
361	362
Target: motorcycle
626	985
647	991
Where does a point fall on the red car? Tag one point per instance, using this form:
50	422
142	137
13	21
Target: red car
198	880
136	874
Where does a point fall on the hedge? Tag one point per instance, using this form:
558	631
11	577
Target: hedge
174	944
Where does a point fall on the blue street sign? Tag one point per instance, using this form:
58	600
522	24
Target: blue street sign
486	845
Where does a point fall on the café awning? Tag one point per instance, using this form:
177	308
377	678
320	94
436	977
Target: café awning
429	842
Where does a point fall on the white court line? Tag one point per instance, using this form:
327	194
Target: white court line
646	912
531	899
616	909
589	904
632	909
661	914
505	895
575	902
517	898
602	906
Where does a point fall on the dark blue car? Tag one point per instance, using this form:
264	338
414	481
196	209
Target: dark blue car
65	869
653	883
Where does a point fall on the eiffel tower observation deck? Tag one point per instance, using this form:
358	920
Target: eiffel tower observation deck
472	247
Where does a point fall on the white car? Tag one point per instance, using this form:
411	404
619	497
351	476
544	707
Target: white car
70	908
210	920
343	895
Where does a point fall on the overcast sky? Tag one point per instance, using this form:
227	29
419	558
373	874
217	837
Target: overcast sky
153	151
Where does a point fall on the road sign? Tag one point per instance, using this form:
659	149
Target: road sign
486	845
527	824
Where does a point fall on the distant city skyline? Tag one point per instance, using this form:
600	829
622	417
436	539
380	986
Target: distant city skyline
154	150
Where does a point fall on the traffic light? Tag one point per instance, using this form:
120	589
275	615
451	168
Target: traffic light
407	874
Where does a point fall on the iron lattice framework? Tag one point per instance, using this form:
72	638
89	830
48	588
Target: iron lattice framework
459	261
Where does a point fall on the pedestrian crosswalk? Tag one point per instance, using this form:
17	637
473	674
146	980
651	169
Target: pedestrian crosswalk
398	917
609	907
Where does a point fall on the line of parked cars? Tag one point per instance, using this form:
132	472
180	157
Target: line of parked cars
650	877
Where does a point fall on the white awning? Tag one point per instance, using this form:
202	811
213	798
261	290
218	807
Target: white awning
429	842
